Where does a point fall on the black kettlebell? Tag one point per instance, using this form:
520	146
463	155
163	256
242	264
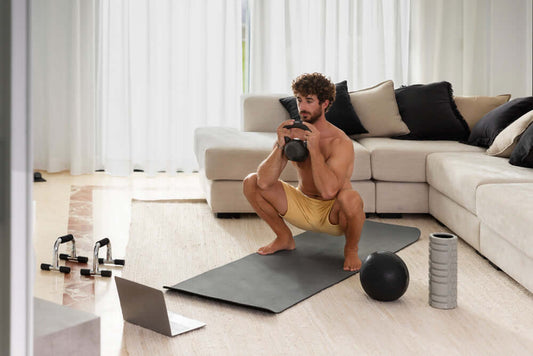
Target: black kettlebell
295	149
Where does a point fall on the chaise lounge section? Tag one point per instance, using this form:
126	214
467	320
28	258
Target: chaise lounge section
487	202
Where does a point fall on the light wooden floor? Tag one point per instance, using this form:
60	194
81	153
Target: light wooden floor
92	207
96	206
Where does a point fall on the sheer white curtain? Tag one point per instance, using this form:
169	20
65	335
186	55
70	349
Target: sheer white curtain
122	84
166	67
364	42
483	47
63	84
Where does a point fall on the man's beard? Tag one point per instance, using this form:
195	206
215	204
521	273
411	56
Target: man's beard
313	117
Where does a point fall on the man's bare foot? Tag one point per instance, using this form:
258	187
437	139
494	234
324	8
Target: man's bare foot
277	245
352	262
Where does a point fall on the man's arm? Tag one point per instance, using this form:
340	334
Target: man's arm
270	169
330	176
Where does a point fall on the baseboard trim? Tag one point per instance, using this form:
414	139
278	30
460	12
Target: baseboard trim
228	215
389	215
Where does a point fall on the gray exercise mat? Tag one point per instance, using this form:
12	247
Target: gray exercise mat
278	281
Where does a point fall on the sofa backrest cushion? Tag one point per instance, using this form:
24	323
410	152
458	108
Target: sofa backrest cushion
262	112
378	111
431	113
473	108
506	140
490	125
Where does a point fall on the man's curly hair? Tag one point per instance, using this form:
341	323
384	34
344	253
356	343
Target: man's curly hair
315	84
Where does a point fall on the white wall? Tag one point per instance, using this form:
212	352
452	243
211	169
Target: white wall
16	270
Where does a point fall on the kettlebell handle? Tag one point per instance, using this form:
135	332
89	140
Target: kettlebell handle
297	125
288	139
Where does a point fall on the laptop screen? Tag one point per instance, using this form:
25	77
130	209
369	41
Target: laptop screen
143	306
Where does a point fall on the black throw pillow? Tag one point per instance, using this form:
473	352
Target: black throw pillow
522	154
490	125
341	113
430	113
289	103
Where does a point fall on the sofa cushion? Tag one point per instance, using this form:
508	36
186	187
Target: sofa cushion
405	160
507	209
522	154
341	113
455	217
458	175
506	256
490	125
263	113
401	197
361	168
378	111
506	140
473	108
430	112
229	154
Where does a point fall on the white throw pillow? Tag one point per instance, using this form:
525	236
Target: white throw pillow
378	111
506	140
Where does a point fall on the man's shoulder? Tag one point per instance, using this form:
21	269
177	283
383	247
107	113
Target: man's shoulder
334	133
340	138
340	146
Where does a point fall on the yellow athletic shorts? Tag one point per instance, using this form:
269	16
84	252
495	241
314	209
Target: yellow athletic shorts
308	213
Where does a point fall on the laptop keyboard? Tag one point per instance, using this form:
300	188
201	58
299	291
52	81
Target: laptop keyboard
180	324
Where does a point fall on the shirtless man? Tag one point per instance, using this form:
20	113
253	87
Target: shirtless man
324	200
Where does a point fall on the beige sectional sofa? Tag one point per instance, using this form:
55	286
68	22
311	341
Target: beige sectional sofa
486	201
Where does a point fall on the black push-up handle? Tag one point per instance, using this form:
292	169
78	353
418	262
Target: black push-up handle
103	242
67	257
48	267
116	261
66	238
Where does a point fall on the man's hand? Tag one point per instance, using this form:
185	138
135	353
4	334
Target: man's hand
282	132
312	137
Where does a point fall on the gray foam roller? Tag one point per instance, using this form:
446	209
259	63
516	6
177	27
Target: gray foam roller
442	270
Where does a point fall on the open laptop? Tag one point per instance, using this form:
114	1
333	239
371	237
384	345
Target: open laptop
146	307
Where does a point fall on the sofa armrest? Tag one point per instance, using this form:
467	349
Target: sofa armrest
263	112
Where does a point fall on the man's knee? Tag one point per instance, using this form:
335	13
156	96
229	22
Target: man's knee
252	182
249	184
351	203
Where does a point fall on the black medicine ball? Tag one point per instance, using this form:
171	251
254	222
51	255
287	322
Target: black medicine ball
384	276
